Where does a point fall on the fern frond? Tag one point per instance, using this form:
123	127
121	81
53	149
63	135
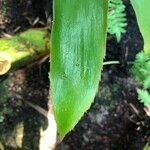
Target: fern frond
146	83
141	69
117	20
144	97
141	72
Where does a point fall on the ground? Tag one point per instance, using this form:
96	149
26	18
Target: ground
116	120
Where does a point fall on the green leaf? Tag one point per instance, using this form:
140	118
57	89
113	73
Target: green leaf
78	47
147	146
142	10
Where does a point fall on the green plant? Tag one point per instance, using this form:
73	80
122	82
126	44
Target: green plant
141	8
141	72
117	20
77	52
78	47
23	48
147	147
141	67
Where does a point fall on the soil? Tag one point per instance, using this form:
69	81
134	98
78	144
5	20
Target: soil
116	119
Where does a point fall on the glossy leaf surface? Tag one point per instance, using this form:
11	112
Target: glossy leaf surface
142	10
78	48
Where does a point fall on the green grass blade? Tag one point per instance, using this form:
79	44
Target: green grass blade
78	47
142	10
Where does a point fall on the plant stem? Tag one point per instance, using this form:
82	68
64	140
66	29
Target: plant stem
48	138
111	62
23	49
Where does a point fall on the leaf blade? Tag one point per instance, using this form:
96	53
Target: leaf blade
78	47
142	8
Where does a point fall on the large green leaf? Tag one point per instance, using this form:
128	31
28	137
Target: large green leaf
78	47
142	10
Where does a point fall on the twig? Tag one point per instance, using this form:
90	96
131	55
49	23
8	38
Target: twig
37	108
135	110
